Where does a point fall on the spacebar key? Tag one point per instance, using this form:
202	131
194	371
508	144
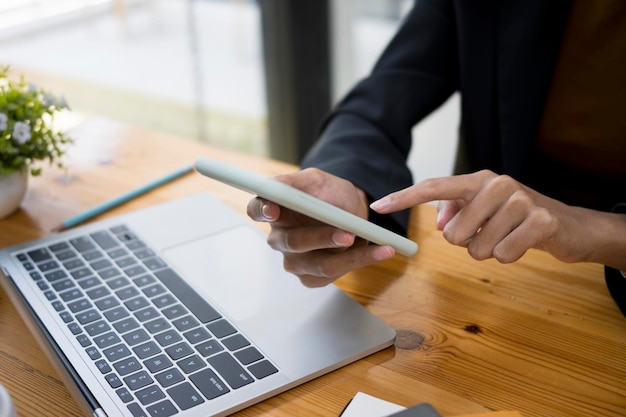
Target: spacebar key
188	296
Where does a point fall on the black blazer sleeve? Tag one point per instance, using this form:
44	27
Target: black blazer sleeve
367	137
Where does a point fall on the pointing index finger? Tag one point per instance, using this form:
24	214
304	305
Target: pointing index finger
458	187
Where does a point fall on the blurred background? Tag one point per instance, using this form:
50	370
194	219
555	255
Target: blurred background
255	76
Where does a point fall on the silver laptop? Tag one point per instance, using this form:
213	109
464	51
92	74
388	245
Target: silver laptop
180	309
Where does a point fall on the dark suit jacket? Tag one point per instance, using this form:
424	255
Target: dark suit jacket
500	55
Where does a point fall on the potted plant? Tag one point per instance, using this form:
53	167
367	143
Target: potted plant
26	136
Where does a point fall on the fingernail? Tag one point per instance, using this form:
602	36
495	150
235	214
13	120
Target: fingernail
381	253
439	217
381	204
265	211
342	239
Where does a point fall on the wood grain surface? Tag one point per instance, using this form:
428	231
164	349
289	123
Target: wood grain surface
538	336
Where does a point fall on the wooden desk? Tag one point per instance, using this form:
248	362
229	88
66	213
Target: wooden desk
537	336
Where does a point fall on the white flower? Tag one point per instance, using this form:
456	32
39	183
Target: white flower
3	121
49	100
63	103
21	132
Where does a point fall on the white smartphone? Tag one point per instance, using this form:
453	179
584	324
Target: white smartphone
304	203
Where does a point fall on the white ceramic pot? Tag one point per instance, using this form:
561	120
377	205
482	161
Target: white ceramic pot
12	190
6	405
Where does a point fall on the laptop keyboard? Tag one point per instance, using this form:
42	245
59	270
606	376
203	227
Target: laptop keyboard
160	345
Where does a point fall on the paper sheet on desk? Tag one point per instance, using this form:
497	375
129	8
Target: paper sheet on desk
364	405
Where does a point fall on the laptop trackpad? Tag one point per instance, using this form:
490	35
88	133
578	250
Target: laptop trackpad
237	271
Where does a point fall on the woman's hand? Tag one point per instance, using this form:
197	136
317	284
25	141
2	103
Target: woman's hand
318	253
494	216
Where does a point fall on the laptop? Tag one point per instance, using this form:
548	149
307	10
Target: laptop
180	309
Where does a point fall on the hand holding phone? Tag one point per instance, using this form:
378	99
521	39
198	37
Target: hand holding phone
302	202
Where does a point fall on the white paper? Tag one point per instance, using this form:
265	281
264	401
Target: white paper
364	405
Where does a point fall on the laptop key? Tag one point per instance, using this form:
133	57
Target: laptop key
154	263
39	255
98	292
57	247
89	282
55	275
92	255
139	380
146	314
62	285
105	340
162	409
248	355
209	384
103	366
82	244
124	395
230	370
100	264
168	337
136	303
127	292
117	352
164	301
144	253
173	311
221	328
157	325
169	377
126	262
117	283
113	380
185	396
107	303
135	337
185	323
66	317
198	335
146	350
80	273
47	266
157	363
134	271
191	364
79	305
126	325
262	369
117	253
94	329
104	239
235	342
73	263
88	316
109	273
179	350
144	280
127	366
136	410
71	295
65	255
116	314
93	352
83	340
209	348
149	395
